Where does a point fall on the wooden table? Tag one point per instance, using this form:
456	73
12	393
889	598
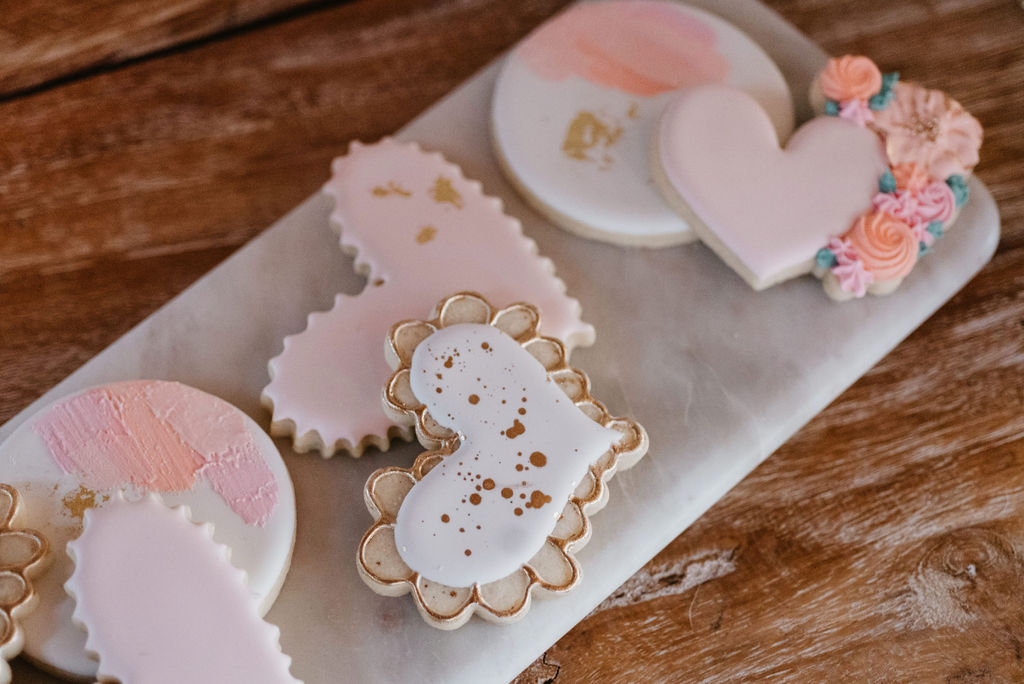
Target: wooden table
141	145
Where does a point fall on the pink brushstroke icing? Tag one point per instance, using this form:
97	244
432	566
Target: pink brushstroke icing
160	436
642	48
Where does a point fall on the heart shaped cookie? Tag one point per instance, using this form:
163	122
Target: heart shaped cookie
765	210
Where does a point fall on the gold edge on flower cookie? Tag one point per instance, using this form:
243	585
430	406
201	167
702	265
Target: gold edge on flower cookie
22	571
521	321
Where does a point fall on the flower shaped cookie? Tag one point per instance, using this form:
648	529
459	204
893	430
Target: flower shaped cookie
520	455
21	555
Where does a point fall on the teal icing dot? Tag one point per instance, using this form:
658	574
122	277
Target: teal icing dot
887	182
825	258
889	81
935	229
880	101
831	108
961	193
922	249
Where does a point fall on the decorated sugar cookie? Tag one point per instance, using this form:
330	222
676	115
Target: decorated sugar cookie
137	437
578	100
22	556
420	230
521	455
160	601
857	196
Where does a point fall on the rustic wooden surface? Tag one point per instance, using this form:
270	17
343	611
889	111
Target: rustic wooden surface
884	542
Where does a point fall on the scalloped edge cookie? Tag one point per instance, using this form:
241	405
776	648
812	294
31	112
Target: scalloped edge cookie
554	569
288	421
12	637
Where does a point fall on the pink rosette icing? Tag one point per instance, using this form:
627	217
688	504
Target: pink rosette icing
901	204
928	128
849	269
853	277
856	111
935	202
850	78
910	176
886	245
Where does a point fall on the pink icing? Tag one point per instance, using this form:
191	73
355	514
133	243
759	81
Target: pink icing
642	47
161	602
935	202
418	248
928	128
853	277
771	209
160	436
902	204
856	111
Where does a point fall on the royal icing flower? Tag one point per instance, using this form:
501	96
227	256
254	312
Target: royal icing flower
910	176
886	246
927	128
850	78
853	277
856	111
902	204
935	202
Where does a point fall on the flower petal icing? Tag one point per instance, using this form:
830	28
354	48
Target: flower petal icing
852	77
886	245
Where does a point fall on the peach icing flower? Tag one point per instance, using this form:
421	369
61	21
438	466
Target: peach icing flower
886	245
929	129
910	176
850	78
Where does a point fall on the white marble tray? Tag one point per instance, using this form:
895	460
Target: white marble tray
720	376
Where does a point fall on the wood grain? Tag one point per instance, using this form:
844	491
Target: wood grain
884	542
46	41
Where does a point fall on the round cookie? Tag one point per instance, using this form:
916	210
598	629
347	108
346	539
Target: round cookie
578	100
190	447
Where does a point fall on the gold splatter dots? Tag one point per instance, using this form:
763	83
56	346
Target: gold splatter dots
538	459
438	390
444	192
452	594
538	499
426	234
488	484
445	518
448	363
474	399
474	499
507	492
516	429
518	511
522	411
519	467
485	346
468	552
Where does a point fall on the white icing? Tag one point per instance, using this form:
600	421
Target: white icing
612	194
161	602
51	638
496	437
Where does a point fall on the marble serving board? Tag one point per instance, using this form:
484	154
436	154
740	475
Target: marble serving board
720	375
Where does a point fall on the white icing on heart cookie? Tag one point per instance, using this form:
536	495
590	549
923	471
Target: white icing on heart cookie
523	453
161	602
524	446
764	210
421	231
578	100
145	436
